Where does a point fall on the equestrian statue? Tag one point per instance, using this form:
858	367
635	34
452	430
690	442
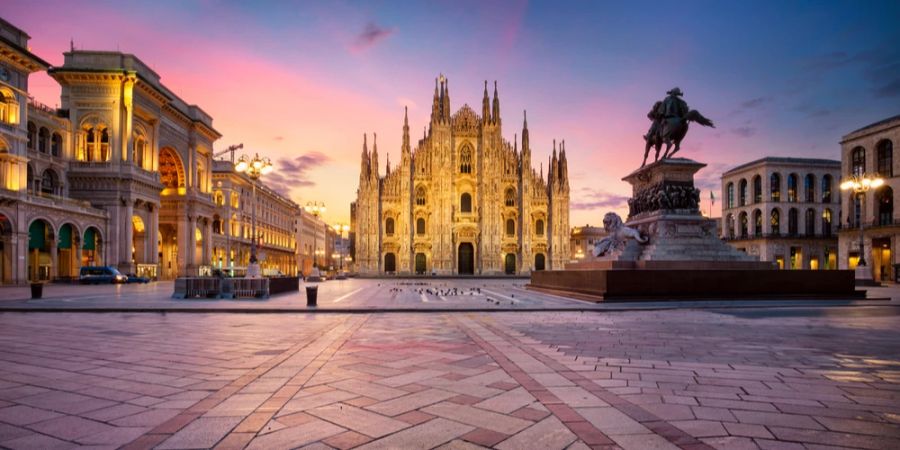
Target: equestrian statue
670	117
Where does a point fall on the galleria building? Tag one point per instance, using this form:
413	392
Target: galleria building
463	201
122	175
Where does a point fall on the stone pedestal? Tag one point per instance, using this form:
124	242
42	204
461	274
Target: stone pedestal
683	257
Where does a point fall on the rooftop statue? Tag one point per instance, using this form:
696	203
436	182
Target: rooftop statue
670	117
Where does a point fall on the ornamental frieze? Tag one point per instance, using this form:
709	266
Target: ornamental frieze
665	196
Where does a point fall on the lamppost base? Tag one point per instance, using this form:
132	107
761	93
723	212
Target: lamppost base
253	270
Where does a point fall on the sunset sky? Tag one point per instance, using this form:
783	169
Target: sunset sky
301	82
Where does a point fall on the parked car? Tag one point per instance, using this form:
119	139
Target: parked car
132	278
101	275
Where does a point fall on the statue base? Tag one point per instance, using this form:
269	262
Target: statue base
684	257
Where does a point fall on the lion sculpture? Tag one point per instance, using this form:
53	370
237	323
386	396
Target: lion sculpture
618	235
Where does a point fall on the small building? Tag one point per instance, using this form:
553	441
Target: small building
582	240
870	151
784	210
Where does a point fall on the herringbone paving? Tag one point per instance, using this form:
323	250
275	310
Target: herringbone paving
639	380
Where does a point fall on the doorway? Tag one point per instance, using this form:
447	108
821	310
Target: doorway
390	263
881	249
466	259
510	264
539	262
420	263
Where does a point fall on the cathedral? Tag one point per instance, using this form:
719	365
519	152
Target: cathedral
464	201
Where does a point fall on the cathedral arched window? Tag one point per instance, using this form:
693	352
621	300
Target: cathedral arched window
539	227
510	197
510	227
465	160
465	203
420	226
389	226
420	196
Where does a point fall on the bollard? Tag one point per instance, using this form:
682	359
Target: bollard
37	290
311	293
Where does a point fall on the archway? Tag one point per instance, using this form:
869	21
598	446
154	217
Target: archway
466	259
390	263
6	250
167	249
40	263
420	263
510	266
539	261
138	241
66	254
91	247
171	172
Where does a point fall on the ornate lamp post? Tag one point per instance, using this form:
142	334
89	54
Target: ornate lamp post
859	185
341	228
316	209
254	168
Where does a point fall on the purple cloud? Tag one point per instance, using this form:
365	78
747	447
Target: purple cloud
372	34
294	173
591	199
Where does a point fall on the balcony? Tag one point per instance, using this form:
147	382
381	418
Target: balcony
873	224
747	237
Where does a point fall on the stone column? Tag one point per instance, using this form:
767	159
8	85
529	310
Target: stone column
76	253
20	256
207	242
152	239
182	240
127	236
54	257
192	243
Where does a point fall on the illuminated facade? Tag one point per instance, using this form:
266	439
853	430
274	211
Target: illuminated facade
784	210
870	151
122	174
463	201
583	240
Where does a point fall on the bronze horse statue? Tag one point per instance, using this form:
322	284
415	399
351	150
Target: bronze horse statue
671	119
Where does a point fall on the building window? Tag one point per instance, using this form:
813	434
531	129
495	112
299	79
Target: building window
729	226
858	161
420	196
420	226
44	140
826	189
792	187
465	160
810	222
56	145
465	203
389	226
793	217
743	219
775	221
826	223
885	158
32	135
49	182
729	195
510	227
140	147
775	187
757	189
885	201
809	186
539	227
510	197
742	193
757	223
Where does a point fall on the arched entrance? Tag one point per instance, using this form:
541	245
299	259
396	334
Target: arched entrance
539	261
390	263
171	172
6	250
91	254
66	252
420	263
40	263
168	251
510	264
466	259
138	241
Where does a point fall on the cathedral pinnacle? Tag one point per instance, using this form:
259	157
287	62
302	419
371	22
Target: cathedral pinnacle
485	106
496	112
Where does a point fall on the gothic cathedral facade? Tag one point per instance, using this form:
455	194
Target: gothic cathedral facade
464	201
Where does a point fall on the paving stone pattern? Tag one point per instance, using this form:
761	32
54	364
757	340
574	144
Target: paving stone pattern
635	380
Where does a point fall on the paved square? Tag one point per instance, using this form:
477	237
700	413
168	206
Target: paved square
727	378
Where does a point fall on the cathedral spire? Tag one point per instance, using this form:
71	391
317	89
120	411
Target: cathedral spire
525	145
486	106
364	160
387	165
404	150
496	112
435	105
445	105
374	164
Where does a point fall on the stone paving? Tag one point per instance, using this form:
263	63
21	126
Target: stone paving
811	378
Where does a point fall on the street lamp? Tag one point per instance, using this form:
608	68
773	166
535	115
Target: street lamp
254	168
341	228
859	185
316	209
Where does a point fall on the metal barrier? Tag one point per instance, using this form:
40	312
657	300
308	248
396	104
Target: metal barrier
209	287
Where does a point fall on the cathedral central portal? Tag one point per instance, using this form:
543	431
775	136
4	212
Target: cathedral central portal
466	259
